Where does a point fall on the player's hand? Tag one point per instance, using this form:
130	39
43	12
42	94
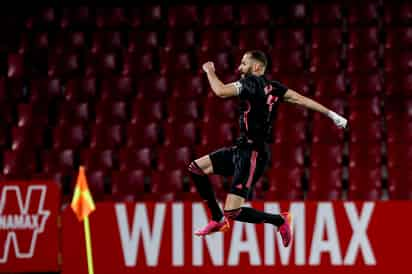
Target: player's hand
208	67
339	121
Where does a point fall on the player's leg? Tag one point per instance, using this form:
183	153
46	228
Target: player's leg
217	162
249	167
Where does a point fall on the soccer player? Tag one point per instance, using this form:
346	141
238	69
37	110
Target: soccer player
247	158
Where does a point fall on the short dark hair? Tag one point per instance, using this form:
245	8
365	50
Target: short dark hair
259	56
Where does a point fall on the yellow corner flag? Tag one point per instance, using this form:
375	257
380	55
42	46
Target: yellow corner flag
83	205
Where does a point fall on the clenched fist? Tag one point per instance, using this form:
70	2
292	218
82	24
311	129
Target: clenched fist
208	67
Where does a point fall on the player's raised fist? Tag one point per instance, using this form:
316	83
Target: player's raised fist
208	67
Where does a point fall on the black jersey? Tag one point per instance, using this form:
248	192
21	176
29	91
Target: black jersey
259	100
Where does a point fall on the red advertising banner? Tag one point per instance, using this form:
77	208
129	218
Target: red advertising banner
29	238
343	237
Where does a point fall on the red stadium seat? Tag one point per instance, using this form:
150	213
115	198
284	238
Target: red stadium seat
174	158
365	183
180	40
361	61
15	66
107	136
284	184
331	62
77	17
183	16
187	87
117	88
146	111
111	18
140	158
370	84
19	164
81	89
397	13
172	63
151	15
330	85
325	184
399	183
70	136
106	41
64	64
363	13
217	135
140	62
93	159
365	155
27	137
399	131
287	155
53	161
222	59
325	131
71	112
183	111
398	108
290	38
287	62
399	38
398	61
111	112
29	114
399	155
153	87
257	14
398	84
326	156
364	38
167	185
294	14
218	15
287	133
180	134
365	131
142	135
254	38
327	14
209	36
128	185
327	38
142	41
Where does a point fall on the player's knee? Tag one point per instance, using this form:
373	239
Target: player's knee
232	213
195	169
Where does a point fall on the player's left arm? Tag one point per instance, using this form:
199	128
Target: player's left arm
294	97
219	88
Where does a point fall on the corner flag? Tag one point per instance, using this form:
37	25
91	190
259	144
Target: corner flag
83	205
82	202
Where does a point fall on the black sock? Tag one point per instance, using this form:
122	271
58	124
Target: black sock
251	215
205	190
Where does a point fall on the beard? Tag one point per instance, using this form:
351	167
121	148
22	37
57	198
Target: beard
247	73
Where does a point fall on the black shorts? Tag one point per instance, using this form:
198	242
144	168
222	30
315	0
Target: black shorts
245	163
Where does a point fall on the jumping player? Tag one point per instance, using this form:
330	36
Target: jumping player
247	158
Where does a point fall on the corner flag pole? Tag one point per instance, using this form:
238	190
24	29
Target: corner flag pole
83	205
88	245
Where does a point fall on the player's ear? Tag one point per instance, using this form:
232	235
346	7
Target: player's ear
256	66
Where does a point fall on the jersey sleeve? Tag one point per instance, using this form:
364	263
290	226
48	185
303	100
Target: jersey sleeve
246	87
279	89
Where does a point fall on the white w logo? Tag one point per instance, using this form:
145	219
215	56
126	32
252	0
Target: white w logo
28	221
